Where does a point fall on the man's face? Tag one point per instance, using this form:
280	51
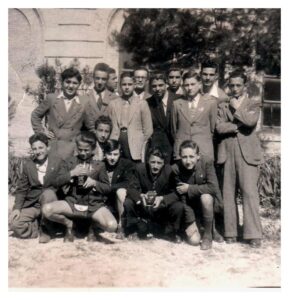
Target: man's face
209	76
112	82
156	164
140	79
189	158
237	86
192	87
84	150
100	79
174	80
127	86
102	133
112	157
70	87
159	87
39	150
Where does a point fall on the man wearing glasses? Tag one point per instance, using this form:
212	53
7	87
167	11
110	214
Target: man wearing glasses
140	75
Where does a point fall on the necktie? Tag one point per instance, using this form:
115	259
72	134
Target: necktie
99	101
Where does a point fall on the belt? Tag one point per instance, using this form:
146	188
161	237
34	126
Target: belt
123	129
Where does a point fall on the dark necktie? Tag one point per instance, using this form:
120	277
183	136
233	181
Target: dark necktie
99	101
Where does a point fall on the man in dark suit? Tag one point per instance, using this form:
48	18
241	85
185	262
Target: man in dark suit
240	152
34	190
100	96
66	114
160	104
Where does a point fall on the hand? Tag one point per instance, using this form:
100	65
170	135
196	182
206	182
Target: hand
50	135
158	201
89	183
182	188
79	170
143	199
15	214
234	103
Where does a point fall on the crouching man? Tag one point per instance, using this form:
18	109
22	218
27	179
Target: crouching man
34	190
87	184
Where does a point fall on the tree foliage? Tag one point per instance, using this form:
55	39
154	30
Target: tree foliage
231	36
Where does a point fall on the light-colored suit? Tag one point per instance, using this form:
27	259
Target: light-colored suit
140	126
240	152
199	128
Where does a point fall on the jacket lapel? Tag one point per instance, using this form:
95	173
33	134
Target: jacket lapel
74	109
133	107
60	111
184	109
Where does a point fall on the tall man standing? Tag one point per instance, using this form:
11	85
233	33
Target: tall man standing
241	154
141	75
131	121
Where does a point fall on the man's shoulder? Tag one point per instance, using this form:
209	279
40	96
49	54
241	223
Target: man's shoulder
126	164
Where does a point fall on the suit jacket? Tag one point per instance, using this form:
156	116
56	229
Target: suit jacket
140	126
201	180
29	187
146	95
245	118
162	136
162	185
199	128
92	104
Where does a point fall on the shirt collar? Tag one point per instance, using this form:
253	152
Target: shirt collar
165	98
61	96
214	90
97	95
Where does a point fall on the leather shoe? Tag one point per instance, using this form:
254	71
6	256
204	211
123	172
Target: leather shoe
69	237
255	243
175	238
120	234
206	244
91	237
217	237
231	240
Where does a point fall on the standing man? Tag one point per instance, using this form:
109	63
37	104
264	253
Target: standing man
141	75
111	84
241	154
175	80
131	121
100	96
66	114
209	74
160	104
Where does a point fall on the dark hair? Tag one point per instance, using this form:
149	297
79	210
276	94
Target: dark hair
71	72
101	67
141	68
87	137
103	120
189	144
111	71
126	74
174	69
158	76
42	137
238	73
191	74
209	64
156	151
111	145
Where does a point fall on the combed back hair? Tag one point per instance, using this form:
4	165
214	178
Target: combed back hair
191	74
41	137
101	67
111	145
87	137
209	64
103	120
189	144
141	68
238	74
158	76
156	151
71	72
126	74
111	71
175	69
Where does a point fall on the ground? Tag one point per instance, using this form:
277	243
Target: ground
150	263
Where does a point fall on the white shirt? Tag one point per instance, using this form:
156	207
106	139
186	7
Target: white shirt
214	90
41	171
141	95
194	103
68	102
165	101
96	95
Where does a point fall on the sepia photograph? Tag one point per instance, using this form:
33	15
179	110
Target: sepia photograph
144	148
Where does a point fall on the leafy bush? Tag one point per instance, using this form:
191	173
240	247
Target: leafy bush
14	172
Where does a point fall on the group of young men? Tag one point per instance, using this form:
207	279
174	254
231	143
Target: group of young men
143	164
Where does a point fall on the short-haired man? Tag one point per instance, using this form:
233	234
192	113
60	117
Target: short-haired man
141	77
34	189
87	183
112	81
240	152
160	104
131	120
103	127
66	114
100	96
175	80
209	74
